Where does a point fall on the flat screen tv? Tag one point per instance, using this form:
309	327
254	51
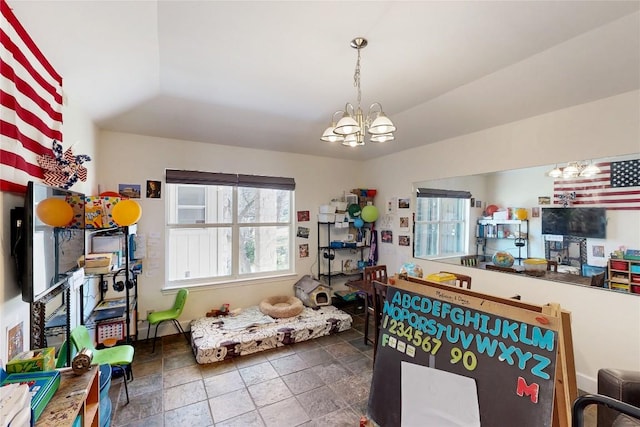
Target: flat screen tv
579	222
49	254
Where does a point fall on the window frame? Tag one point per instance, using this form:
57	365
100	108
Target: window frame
175	178
430	193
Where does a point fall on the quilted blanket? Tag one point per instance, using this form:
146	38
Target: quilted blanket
218	338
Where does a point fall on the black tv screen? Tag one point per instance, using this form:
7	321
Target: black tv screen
579	222
50	253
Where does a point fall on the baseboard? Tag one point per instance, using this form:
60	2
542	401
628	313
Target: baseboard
586	383
165	328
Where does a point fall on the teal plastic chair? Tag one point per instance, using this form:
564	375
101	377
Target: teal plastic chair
119	357
172	314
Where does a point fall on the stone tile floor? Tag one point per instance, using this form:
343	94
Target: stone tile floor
323	382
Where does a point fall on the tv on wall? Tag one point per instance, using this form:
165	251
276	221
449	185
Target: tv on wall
49	254
579	222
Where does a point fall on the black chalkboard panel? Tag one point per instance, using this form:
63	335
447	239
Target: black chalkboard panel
510	353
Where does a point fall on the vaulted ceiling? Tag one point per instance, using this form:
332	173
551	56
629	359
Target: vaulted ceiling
269	74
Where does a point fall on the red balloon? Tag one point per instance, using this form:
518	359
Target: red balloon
491	209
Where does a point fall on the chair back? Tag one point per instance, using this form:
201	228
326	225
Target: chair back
81	339
181	300
469	260
462	280
552	265
375	272
598	280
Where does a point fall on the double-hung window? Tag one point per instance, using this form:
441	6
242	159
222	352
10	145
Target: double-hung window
225	227
441	226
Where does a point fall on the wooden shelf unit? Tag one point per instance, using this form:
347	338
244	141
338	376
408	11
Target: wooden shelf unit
624	275
77	395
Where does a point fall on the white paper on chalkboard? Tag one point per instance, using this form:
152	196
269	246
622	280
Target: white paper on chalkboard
431	397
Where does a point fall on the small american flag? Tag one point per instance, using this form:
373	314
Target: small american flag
617	186
30	105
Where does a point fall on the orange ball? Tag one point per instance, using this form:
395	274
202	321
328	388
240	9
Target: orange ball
54	212
126	212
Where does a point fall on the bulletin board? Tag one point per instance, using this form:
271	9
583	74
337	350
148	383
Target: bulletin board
447	354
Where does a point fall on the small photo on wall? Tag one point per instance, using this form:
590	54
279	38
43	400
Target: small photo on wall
404	222
404	203
153	190
303	232
535	212
386	236
404	240
303	216
303	250
131	191
544	200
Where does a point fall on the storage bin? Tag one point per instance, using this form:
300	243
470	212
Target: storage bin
619	265
327	209
444	278
326	217
635	268
635	289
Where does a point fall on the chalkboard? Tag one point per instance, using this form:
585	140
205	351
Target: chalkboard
458	351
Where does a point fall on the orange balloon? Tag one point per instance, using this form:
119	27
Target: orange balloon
126	212
54	212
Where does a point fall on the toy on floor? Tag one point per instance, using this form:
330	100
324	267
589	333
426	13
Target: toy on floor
222	311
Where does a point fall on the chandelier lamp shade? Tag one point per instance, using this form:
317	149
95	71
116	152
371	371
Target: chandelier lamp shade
574	170
352	125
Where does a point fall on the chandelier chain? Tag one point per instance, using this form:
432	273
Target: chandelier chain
356	78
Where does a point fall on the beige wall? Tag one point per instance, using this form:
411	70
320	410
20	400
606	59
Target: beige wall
606	325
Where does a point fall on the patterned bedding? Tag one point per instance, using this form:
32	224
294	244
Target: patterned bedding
251	332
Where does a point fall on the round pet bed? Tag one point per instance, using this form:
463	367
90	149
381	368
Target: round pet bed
281	306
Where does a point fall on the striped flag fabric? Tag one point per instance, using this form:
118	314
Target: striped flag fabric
616	187
30	105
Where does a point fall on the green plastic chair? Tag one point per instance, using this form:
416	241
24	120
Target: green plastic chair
172	314
119	357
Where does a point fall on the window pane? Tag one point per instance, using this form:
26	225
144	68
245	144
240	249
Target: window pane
190	215
451	238
426	240
199	253
427	209
259	205
193	195
264	249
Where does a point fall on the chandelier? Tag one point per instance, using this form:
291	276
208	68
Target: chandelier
575	170
350	129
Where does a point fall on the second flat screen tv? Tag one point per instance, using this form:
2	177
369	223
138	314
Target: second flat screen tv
579	222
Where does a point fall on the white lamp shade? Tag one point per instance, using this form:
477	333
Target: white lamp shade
381	125
347	125
570	171
382	138
351	140
555	173
590	170
330	136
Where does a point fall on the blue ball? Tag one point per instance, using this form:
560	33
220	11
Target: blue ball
358	222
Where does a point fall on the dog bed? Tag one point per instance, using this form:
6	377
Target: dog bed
281	306
218	338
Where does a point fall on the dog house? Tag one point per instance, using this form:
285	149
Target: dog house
312	293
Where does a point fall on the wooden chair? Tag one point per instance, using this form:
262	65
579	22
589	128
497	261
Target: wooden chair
379	273
598	280
469	260
462	281
379	296
498	268
552	265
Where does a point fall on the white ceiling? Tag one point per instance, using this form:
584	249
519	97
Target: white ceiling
269	74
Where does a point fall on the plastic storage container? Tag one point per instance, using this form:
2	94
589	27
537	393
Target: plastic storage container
444	278
535	266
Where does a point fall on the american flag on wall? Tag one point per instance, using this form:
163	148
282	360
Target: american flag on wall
30	105
617	186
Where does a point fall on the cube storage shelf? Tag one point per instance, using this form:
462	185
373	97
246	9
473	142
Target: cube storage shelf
624	275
